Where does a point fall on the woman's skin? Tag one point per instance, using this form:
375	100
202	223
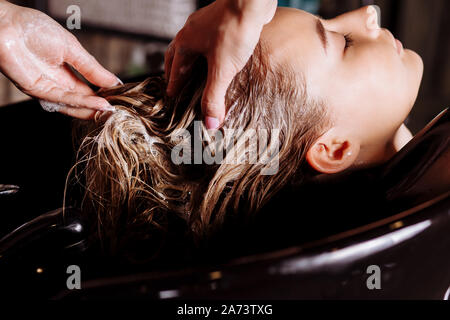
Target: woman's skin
369	87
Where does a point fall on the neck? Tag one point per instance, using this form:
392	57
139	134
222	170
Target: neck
401	138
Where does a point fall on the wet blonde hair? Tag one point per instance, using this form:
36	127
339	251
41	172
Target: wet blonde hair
132	188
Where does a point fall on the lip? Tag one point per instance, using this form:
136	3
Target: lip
399	46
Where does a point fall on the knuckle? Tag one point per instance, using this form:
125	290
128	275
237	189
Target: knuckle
89	73
212	106
72	40
191	18
179	37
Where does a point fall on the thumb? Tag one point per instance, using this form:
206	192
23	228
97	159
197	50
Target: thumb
213	100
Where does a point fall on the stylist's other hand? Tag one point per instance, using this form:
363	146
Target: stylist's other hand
34	53
226	32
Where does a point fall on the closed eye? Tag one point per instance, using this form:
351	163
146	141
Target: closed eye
348	40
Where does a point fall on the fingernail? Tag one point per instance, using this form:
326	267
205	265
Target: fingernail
211	123
109	108
119	82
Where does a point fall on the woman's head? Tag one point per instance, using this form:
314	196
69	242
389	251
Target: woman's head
323	107
361	74
126	161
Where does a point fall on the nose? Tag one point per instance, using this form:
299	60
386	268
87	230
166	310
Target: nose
364	22
373	18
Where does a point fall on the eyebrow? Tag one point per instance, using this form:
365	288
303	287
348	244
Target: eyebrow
322	34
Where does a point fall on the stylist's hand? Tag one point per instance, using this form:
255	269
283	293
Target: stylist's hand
226	32
34	50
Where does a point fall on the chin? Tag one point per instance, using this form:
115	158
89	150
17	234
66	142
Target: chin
416	64
415	74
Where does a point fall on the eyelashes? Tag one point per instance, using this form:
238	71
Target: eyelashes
348	40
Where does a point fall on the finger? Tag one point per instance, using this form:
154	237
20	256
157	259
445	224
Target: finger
71	82
89	67
213	100
181	65
74	99
168	58
79	113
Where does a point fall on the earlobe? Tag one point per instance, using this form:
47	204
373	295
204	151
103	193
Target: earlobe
330	154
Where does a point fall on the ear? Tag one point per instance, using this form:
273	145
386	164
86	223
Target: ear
333	152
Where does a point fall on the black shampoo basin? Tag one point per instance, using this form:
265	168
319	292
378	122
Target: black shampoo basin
315	240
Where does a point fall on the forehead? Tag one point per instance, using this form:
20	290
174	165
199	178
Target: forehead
291	38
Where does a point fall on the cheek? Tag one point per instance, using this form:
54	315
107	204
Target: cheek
373	97
382	76
387	96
